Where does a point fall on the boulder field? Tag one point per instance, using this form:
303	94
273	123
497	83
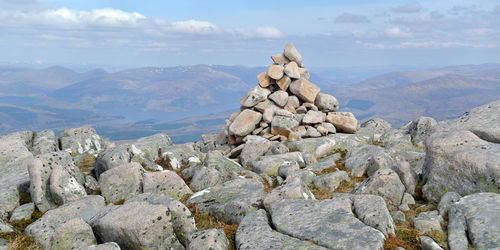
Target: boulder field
287	172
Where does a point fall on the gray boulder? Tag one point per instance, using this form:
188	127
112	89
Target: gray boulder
331	181
75	233
14	158
385	183
279	97
255	232
40	171
420	129
256	95
329	223
292	188
9	200
44	142
138	225
475	217
43	229
245	122
103	246
326	102
204	177
429	244
293	54
230	201
316	147
254	148
324	163
428	221
462	154
181	155
64	187
78	141
446	201
283	125
269	164
122	182
182	221
6	227
23	212
209	239
366	160
165	182
406	175
372	211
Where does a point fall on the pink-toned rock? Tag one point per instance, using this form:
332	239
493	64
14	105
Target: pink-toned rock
264	80
284	82
279	97
275	71
343	121
262	106
245	122
293	101
280	59
305	90
292	70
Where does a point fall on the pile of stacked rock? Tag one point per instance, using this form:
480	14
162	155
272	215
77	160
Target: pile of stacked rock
286	106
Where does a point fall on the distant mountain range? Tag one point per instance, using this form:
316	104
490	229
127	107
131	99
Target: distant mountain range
142	101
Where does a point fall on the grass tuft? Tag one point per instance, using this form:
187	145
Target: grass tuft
320	193
20	241
87	164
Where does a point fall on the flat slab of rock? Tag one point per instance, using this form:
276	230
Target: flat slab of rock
9	200
230	201
209	239
43	229
75	233
84	140
343	121
315	147
245	122
283	125
23	212
138	225
305	90
166	182
372	210
475	217
329	223
292	188
385	183
255	232
253	97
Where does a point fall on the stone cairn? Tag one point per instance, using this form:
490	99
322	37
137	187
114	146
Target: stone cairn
286	106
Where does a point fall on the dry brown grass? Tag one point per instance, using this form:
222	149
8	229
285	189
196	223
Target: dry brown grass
320	193
205	220
19	241
87	164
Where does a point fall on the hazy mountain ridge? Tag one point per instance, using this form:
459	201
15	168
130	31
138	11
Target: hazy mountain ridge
169	94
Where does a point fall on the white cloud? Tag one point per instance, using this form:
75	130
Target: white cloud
351	18
435	44
268	32
195	27
408	8
371	45
396	32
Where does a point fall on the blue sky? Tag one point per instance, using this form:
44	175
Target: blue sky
327	33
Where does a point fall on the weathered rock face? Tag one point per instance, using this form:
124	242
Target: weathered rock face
245	122
44	228
385	183
209	239
305	90
75	233
121	183
462	155
79	141
230	201
475	217
138	225
330	223
343	121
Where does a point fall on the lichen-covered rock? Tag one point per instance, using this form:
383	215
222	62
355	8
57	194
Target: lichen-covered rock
43	229
331	181
165	182
329	223
385	183
64	187
255	232
343	121
446	201
138	225
371	209
475	217
103	246
9	200
6	227
253	97
254	148
315	147
429	244
407	176
204	177
326	102
420	129
14	158
269	164
230	201
314	117
82	140
428	221
182	220
209	239
75	233
122	182
367	157
324	163
40	171
23	212
282	125
180	155
44	142
292	188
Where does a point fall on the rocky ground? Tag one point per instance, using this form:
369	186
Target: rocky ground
426	185
291	173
